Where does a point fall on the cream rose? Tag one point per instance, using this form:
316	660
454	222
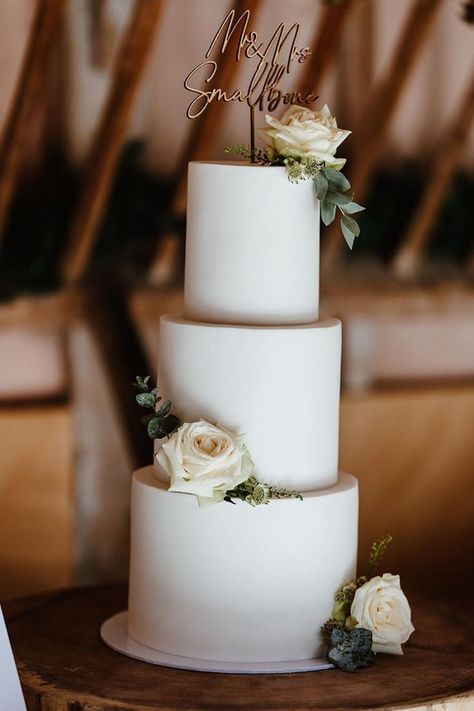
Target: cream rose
205	460
381	607
304	133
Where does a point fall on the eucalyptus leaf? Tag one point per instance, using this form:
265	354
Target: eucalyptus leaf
320	185
336	180
352	207
142	383
340	199
146	399
348	235
351	225
155	428
164	408
328	211
171	423
160	427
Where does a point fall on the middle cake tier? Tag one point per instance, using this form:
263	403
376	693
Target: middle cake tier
276	385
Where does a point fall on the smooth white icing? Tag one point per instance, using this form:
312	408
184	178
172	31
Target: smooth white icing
236	583
278	386
252	245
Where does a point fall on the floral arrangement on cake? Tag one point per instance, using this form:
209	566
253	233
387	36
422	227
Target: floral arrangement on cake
206	460
370	615
305	143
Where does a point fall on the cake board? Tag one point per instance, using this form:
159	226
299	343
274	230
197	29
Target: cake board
114	632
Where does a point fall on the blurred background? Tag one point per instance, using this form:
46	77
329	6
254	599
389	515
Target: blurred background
93	154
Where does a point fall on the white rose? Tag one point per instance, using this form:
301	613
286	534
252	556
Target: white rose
381	607
205	460
304	133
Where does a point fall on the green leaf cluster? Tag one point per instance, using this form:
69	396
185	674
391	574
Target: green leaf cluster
160	422
333	190
256	493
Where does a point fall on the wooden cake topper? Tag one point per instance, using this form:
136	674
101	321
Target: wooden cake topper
273	60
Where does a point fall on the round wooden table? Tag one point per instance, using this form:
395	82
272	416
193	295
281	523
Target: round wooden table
64	666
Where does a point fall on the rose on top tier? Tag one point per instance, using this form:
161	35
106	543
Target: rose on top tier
381	607
205	460
304	133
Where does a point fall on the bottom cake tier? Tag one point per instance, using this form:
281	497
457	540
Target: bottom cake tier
236	582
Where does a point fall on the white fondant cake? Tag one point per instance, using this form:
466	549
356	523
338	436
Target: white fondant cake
242	583
252	246
234	583
254	380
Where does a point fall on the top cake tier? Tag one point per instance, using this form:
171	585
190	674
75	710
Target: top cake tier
252	246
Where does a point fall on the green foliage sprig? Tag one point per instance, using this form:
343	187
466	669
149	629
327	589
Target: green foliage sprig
255	493
160	422
255	155
376	554
332	188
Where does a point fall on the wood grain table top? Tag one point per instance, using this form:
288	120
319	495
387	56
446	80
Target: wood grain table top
64	666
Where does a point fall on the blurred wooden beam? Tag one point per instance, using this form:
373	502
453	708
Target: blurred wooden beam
371	131
102	34
325	42
107	143
440	174
355	73
29	92
122	357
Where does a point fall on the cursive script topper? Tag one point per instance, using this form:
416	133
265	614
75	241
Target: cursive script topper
273	60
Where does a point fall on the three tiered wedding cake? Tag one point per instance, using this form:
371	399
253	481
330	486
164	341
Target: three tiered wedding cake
245	583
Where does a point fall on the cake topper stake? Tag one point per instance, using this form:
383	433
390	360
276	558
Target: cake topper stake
252	133
274	59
